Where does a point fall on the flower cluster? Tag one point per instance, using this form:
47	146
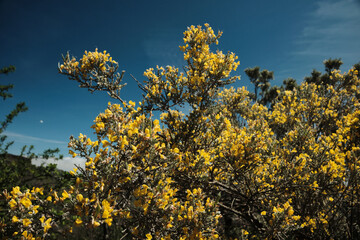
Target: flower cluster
91	61
94	71
26	218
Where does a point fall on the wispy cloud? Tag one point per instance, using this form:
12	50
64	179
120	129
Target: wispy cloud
340	9
332	30
26	139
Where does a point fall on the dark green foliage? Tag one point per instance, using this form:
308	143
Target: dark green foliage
51	153
253	74
261	80
325	79
332	64
289	84
314	78
5	88
357	67
269	94
6	70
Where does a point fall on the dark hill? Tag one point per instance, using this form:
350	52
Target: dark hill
19	171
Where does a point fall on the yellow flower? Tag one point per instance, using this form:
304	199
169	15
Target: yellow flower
99	126
16	191
40	190
96	224
291	211
78	221
148	236
263	213
79	197
108	221
56	196
26	222
35	209
106	214
65	195
156	122
73	172
132	103
105	143
26	202
72	153
12	204
78	181
47	225
15	219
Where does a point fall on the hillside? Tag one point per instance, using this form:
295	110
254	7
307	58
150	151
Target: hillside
19	171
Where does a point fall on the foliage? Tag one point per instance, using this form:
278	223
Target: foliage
291	172
260	80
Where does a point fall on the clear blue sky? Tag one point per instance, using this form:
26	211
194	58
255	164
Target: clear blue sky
288	37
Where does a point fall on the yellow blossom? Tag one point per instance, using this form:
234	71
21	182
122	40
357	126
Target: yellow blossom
15	219
78	221
26	202
26	222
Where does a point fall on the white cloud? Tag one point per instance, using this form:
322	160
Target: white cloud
66	164
25	138
332	30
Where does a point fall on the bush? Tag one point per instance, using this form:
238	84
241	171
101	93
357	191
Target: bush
230	168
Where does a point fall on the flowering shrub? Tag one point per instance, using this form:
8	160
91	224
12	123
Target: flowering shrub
229	168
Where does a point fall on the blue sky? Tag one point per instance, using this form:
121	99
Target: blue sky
288	37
